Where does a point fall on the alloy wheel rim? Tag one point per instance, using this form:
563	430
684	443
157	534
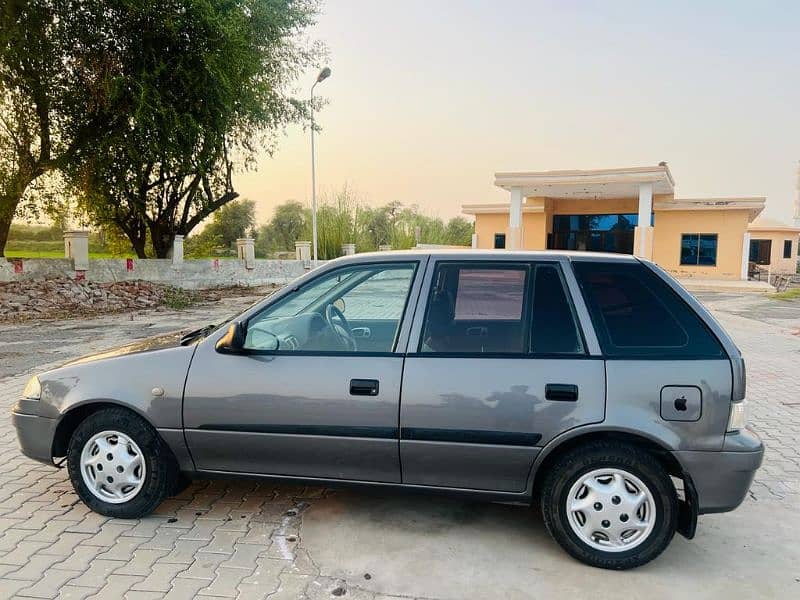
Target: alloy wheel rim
113	467
611	510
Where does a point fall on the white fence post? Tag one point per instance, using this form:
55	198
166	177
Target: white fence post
246	251
76	247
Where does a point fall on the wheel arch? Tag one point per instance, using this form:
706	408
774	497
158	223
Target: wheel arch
77	413
575	438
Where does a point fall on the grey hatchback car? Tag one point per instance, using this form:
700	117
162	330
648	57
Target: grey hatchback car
591	385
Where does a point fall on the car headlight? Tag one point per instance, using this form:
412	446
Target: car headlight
738	417
33	389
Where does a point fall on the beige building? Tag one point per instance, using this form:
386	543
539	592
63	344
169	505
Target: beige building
773	245
631	210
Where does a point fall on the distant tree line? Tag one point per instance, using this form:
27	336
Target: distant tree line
340	220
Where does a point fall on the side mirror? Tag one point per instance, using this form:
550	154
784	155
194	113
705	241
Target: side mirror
233	340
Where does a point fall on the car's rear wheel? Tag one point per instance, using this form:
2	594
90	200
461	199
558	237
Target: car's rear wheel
118	464
610	505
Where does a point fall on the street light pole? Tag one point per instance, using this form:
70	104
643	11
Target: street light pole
323	75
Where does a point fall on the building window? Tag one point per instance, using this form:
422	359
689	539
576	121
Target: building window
499	241
760	251
597	233
787	248
699	249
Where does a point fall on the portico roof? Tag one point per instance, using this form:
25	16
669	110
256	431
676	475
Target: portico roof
589	184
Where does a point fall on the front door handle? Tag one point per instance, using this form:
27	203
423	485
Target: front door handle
563	392
363	387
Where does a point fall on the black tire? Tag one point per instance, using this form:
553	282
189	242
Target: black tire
567	469
161	471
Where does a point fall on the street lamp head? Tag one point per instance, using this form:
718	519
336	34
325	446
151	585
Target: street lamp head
324	74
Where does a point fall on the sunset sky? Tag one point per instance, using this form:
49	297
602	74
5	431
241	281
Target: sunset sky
428	98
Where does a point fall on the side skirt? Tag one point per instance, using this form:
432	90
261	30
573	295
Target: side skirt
522	498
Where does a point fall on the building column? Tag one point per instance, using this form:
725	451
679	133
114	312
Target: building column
246	251
76	247
644	239
474	240
745	255
515	220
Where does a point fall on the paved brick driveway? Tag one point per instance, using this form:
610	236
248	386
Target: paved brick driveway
244	539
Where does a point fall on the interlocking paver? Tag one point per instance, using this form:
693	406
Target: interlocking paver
226	582
48	585
116	586
97	574
203	566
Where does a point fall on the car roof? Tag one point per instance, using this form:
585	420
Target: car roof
500	255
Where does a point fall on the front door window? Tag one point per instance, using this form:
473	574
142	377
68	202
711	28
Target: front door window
353	309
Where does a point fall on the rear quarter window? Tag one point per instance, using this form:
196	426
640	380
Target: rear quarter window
637	314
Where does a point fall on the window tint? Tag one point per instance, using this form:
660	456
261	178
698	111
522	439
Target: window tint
699	249
636	313
354	309
787	248
476	309
554	329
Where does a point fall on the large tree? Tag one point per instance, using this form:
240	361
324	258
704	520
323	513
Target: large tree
52	88
203	85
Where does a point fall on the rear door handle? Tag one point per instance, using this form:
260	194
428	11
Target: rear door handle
363	387
563	392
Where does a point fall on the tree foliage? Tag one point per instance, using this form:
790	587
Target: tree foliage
203	85
342	218
231	222
49	100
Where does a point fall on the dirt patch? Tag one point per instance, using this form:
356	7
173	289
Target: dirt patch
67	298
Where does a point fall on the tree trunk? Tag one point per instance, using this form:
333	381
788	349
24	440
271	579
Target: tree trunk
162	241
136	234
139	246
8	206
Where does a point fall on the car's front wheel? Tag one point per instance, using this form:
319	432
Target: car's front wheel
118	464
610	505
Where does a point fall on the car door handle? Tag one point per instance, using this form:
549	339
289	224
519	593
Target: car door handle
363	387
361	332
563	392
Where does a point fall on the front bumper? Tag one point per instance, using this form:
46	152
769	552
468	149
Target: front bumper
35	435
722	479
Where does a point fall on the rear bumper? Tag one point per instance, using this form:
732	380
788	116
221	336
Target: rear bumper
35	435
722	479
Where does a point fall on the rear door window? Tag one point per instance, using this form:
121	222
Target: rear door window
637	314
477	309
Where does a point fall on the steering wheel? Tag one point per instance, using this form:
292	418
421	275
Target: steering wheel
342	330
